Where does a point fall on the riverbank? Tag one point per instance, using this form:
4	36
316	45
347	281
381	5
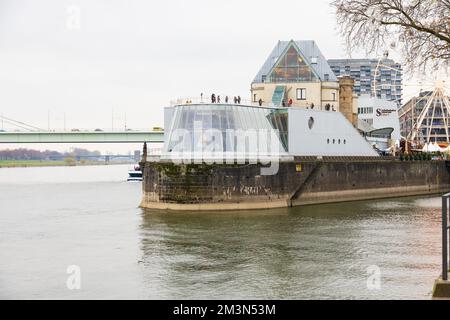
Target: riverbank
46	163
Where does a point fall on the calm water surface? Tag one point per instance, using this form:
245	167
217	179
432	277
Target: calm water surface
52	218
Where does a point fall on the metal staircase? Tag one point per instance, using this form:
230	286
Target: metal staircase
299	190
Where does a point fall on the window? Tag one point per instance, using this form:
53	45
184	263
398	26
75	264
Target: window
301	94
225	120
334	96
291	67
254	97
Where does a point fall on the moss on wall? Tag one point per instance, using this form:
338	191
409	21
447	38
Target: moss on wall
236	183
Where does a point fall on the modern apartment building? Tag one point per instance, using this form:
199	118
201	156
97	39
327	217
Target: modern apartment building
382	76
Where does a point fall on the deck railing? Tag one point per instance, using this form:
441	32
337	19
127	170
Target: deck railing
207	99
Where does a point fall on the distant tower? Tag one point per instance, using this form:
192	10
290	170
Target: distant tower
346	98
144	152
137	155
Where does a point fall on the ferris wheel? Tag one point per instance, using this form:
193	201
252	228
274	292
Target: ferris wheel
437	105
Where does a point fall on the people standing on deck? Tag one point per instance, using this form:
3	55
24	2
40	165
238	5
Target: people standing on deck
260	102
226	99
213	98
290	103
218	99
235	100
327	107
201	97
312	105
239	99
283	103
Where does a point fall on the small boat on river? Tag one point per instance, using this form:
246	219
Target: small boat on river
135	174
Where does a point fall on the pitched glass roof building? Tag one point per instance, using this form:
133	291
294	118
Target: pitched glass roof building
297	94
296	74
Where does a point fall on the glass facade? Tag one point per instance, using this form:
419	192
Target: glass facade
220	127
291	67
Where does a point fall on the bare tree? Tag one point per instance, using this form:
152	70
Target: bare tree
419	28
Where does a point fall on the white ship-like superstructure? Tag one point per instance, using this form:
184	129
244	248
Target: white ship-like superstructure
232	131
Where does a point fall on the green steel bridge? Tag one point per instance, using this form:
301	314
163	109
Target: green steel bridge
82	137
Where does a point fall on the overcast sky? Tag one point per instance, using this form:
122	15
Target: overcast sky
96	62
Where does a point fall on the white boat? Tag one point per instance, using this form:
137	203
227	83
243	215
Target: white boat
135	174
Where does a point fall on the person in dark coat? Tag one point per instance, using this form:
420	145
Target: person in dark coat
260	102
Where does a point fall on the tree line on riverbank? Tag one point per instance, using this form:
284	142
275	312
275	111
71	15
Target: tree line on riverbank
48	155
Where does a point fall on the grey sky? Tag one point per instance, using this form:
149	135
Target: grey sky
136	56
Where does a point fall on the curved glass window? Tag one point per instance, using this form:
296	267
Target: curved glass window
228	129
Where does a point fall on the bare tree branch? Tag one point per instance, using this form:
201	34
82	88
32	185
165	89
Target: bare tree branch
420	28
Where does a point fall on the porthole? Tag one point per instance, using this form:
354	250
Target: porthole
310	123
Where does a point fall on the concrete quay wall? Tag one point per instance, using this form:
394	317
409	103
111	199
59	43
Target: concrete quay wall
299	182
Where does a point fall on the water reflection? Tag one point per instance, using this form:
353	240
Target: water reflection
305	252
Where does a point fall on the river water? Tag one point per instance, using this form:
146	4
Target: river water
88	217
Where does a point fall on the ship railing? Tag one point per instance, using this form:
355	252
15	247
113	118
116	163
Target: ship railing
207	100
445	235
